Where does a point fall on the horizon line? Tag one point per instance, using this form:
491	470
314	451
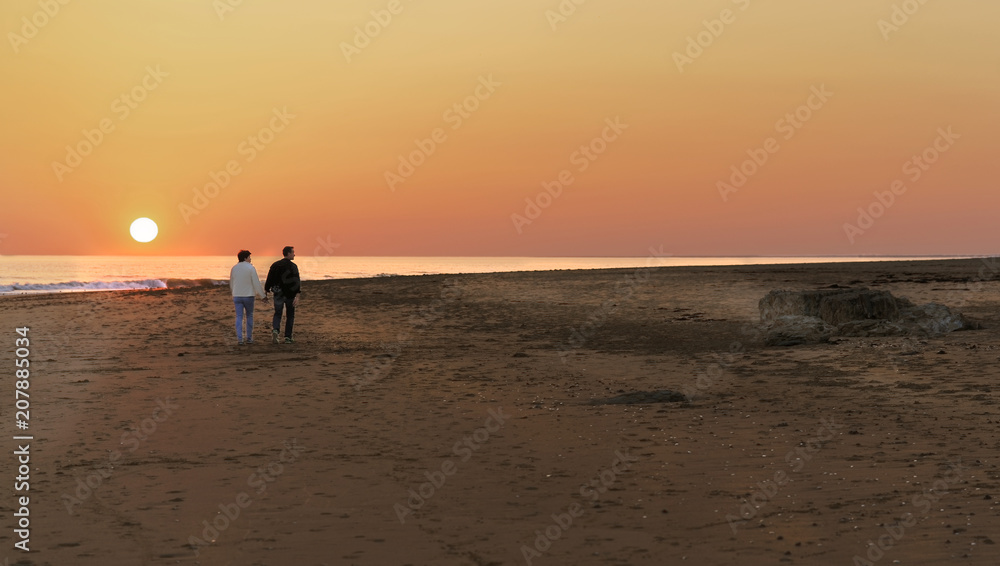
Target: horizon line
786	256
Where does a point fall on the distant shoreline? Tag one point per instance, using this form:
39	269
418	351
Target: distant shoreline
172	284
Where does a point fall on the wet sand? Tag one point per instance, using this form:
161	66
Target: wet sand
503	402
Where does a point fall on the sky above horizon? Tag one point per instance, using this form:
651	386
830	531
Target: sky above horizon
521	128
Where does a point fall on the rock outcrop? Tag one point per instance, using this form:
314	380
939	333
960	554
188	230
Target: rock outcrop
802	317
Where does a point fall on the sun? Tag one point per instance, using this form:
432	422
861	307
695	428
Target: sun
143	230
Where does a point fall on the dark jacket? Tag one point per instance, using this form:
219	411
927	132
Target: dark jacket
285	275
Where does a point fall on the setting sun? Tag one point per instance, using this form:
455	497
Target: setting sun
143	230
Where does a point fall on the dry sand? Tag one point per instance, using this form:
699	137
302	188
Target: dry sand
321	441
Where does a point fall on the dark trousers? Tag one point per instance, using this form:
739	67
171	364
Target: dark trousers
285	302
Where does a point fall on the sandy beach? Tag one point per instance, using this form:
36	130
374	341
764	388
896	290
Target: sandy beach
492	420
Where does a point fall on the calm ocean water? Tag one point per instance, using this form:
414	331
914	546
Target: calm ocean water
51	274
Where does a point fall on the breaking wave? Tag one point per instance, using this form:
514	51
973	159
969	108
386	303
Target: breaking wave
72	286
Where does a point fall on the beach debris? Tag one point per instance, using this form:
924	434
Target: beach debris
642	397
791	318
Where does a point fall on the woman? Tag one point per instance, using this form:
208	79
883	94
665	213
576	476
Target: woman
245	284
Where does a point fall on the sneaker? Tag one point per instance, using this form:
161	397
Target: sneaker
239	342
289	340
249	341
274	336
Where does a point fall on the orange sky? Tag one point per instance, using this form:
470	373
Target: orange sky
313	116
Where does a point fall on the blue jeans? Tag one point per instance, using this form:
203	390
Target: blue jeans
244	304
279	302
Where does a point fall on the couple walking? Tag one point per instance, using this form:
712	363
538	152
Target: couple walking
282	280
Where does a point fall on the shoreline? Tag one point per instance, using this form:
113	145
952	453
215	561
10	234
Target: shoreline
173	283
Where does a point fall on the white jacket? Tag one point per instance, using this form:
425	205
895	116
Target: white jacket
244	282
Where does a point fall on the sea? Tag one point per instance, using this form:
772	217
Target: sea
60	274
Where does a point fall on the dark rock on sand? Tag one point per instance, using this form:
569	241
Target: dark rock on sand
792	330
802	317
833	306
642	397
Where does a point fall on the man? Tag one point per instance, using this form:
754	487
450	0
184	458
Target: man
245	285
283	281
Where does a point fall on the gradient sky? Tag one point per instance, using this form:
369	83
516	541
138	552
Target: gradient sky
322	178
